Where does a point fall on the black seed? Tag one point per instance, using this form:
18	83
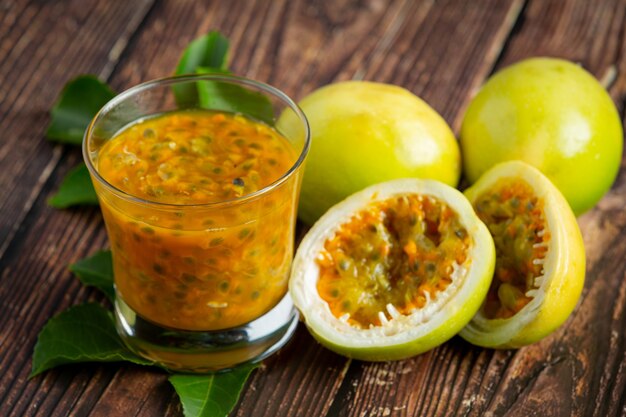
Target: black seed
430	267
345	305
158	269
136	237
460	233
255	146
216	241
334	293
238	182
272	161
217	170
223	286
144	278
180	295
344	265
240	142
189	278
148	133
147	230
255	295
244	233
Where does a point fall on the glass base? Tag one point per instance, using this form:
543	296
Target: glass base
207	351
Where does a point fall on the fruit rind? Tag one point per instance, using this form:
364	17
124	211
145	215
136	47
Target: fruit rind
365	133
564	267
552	114
407	335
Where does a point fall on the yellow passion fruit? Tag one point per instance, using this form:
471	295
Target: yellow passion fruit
540	257
363	133
393	270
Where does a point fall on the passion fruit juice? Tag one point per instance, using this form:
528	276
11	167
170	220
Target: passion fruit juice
198	247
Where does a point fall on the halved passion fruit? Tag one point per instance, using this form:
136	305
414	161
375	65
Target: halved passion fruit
540	257
393	270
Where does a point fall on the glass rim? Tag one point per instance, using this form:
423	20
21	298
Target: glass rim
164	81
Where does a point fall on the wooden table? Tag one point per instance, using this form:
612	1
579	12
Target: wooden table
442	51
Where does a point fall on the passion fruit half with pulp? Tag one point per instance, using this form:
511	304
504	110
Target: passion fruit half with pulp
540	257
393	270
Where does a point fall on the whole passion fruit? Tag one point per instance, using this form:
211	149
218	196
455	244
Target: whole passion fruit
540	257
553	115
393	270
363	133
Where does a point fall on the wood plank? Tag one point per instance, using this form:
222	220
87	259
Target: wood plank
34	68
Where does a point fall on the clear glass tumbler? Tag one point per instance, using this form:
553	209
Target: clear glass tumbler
202	287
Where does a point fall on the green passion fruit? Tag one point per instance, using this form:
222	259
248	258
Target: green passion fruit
363	133
540	257
393	270
553	115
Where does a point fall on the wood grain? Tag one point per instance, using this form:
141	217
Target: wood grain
440	50
34	68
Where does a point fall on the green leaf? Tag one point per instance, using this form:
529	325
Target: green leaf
210	395
78	103
217	95
209	51
76	189
209	55
84	333
96	271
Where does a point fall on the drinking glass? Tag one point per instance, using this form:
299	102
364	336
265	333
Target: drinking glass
202	287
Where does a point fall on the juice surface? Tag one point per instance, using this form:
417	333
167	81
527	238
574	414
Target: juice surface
195	157
197	267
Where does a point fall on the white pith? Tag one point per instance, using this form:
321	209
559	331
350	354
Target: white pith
498	332
400	328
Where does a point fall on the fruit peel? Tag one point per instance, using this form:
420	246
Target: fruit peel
564	267
365	133
553	115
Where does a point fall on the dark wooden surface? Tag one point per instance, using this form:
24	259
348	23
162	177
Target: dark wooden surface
440	50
